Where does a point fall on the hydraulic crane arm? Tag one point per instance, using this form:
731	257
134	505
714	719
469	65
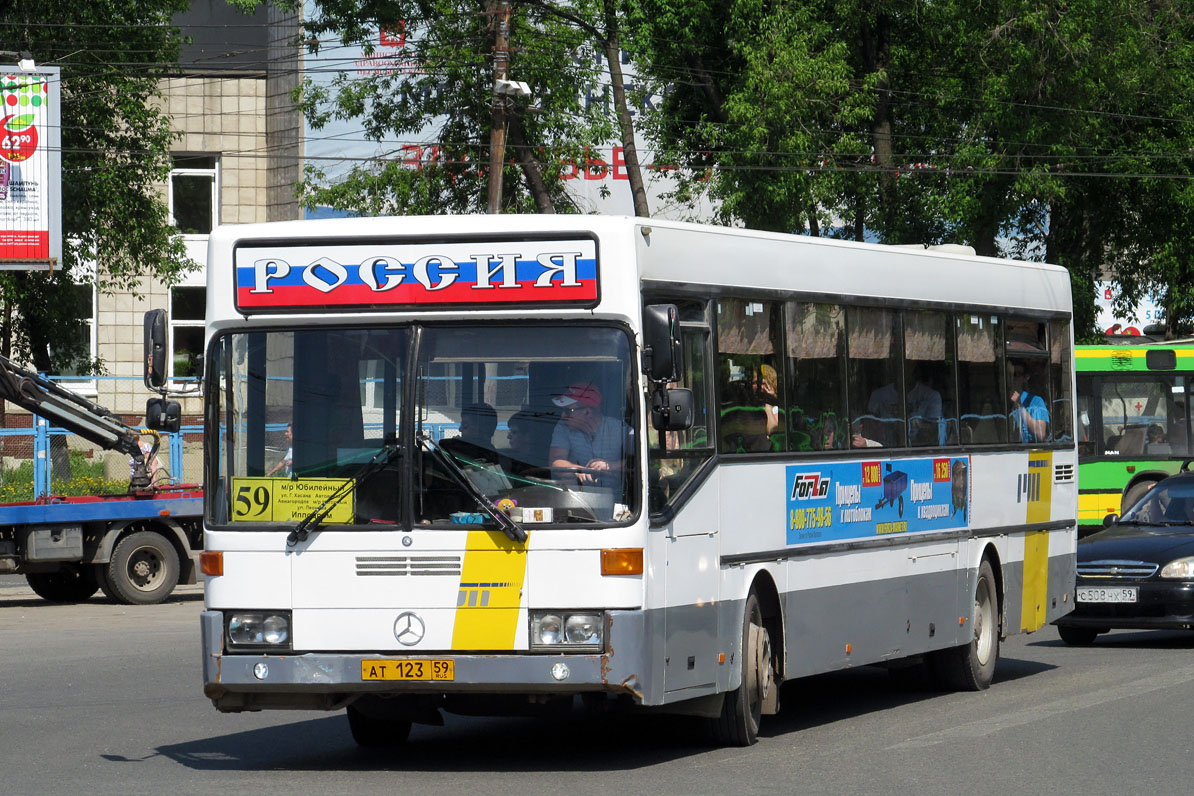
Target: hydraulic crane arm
89	420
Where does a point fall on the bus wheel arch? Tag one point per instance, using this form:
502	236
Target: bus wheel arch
1137	488
758	659
971	666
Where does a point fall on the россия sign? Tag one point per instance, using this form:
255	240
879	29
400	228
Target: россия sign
392	275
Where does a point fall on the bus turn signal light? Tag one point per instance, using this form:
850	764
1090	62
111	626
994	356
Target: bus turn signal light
622	561
211	563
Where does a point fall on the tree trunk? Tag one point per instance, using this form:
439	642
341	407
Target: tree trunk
530	166
613	53
876	54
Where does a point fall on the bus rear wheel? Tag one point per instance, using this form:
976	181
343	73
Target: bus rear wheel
374	733
742	709
971	666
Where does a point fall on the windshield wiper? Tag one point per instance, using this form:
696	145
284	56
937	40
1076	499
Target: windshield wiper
507	525
312	521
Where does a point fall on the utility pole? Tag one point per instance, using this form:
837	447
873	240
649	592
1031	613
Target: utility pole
497	135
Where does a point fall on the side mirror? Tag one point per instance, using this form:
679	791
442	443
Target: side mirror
163	415
1110	520
155	349
197	362
671	410
661	342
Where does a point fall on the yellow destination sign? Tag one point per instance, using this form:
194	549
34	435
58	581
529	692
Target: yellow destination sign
288	500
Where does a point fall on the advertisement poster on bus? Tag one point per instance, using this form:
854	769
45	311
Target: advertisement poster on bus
31	152
848	501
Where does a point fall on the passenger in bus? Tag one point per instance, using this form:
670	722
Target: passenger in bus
925	423
1177	428
1156	441
1030	415
925	426
744	430
478	422
586	445
768	393
528	444
286	465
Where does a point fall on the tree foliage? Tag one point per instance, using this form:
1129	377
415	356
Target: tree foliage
440	95
1022	128
115	157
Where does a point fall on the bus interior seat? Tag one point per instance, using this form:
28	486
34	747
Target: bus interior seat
1132	441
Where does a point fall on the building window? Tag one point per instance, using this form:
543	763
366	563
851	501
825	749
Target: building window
193	202
76	375
186	330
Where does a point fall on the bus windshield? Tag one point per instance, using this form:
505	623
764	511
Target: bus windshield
539	419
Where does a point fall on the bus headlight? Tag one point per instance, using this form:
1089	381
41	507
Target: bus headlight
259	630
565	631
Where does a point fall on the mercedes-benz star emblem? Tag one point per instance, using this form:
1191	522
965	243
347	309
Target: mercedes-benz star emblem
407	541
409	628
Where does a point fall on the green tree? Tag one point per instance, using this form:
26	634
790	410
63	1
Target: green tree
1022	128
115	157
443	97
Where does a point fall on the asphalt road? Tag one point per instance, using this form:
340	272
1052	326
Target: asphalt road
104	699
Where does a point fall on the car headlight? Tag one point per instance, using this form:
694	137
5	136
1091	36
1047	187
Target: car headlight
259	630
567	631
1180	568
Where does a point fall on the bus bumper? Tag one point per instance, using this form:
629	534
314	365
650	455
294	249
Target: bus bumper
329	680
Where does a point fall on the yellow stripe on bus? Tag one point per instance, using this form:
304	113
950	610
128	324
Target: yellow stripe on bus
1036	545
1036	581
491	582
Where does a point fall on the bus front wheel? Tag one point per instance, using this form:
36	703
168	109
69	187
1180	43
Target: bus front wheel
742	709
1133	495
371	732
971	666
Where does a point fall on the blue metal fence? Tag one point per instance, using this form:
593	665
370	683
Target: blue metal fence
33	444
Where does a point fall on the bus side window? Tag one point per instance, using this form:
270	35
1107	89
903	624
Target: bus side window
749	392
875	378
1060	359
929	379
816	376
980	384
675	457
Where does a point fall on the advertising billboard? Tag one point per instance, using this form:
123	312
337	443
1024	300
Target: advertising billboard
31	174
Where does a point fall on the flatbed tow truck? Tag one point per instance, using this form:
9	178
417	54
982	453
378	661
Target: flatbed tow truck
136	546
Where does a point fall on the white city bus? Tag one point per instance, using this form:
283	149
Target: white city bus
491	464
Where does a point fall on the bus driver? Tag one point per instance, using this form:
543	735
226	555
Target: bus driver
586	442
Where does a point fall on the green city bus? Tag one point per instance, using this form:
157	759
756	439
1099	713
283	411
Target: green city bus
1133	423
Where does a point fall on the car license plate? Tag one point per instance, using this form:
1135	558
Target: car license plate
425	670
1103	594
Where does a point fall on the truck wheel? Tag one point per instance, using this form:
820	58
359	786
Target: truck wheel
101	577
143	569
71	584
